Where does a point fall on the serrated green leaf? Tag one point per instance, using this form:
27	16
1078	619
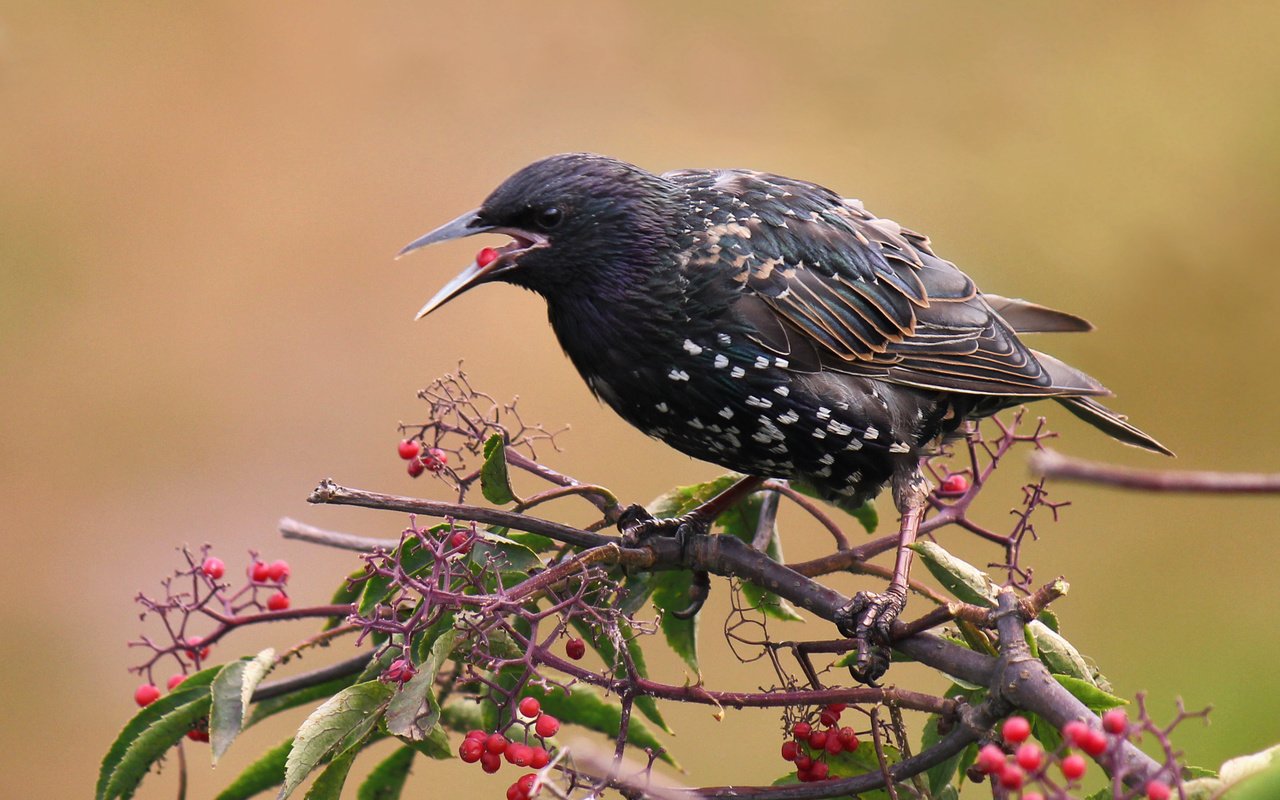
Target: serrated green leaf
340	722
147	717
584	706
387	780
155	741
1059	655
1191	772
1050	620
265	773
427	639
269	708
495	480
511	556
1044	731
848	765
1093	697
462	716
232	690
348	594
671	593
964	581
414	710
741	521
434	745
328	784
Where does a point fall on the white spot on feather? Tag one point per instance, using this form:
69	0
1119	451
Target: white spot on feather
721	362
691	348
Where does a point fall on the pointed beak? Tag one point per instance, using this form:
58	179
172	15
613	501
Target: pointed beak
470	224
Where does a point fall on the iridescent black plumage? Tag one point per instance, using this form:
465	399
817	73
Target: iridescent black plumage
769	326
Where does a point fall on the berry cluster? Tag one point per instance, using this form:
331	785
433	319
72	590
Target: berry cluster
433	459
489	749
811	744
1029	762
276	572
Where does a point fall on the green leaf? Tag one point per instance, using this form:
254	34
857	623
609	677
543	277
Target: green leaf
263	774
232	690
963	580
155	741
1093	697
865	514
462	716
414	710
434	745
671	593
269	708
328	784
340	722
511	556
414	558
345	595
194	686
741	521
848	765
584	706
495	480
387	780
1059	655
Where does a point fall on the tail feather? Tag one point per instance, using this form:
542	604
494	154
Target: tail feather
1111	423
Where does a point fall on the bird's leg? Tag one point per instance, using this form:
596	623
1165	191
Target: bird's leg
637	524
869	615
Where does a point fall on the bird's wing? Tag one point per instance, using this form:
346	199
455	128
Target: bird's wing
833	287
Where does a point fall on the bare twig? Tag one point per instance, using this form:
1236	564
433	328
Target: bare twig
1055	465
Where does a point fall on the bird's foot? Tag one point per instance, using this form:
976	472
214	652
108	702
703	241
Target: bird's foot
867	620
637	524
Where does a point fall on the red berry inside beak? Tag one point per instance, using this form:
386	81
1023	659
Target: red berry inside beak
486	256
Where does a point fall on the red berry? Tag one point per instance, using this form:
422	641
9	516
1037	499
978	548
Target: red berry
194	649
260	572
435	459
1032	796
828	718
518	754
818	740
415	468
470	750
801	730
575	649
1073	767
530	707
174	680
278	602
278	571
790	750
848	738
803	775
990	759
526	783
146	694
1095	742
834	745
197	735
1115	721
1075	732
477	734
954	485
837	708
213	567
490	762
514	793
495	743
818	771
1029	756
409	449
462	541
1157	790
539	758
546	725
1011	777
486	256
400	671
803	762
1016	729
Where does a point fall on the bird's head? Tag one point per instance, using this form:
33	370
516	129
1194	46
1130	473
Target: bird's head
577	223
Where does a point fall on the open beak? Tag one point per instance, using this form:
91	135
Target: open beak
470	224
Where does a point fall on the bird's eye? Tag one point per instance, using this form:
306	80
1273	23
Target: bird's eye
549	218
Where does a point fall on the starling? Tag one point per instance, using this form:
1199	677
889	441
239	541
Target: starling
773	327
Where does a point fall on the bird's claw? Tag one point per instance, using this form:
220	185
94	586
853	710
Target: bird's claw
637	524
867	620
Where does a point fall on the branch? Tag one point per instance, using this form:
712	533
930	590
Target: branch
1050	464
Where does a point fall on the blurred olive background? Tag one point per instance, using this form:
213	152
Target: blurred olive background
200	315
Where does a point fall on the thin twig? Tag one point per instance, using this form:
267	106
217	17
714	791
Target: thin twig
1050	464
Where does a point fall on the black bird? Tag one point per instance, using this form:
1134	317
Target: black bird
773	327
